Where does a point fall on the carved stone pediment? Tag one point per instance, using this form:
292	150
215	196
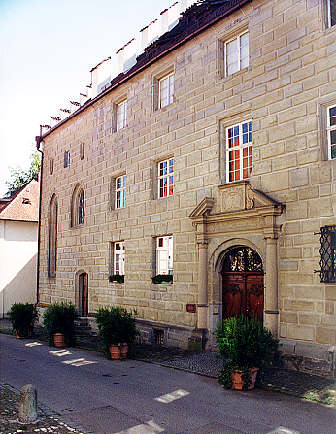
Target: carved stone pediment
241	197
203	208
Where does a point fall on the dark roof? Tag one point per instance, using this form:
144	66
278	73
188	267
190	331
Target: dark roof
195	19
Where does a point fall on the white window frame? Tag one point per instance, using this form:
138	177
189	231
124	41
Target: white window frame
170	95
329	129
329	13
121	114
239	148
120	192
119	258
166	176
164	255
237	39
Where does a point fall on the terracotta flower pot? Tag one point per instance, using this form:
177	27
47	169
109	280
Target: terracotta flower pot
238	383
58	340
123	351
115	352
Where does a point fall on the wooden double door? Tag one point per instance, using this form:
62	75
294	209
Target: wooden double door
243	293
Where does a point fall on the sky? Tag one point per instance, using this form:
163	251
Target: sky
47	50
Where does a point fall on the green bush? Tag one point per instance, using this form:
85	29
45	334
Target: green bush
244	343
60	318
116	326
23	317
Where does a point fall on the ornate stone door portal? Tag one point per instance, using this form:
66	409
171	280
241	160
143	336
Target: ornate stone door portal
237	212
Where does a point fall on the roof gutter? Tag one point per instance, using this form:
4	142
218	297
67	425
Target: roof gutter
38	146
154	59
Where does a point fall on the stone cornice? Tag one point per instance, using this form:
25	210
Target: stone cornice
203	209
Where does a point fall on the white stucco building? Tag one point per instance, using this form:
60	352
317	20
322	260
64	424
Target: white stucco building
18	247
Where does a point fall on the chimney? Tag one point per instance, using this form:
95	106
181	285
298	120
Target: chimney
127	56
99	74
173	15
170	17
83	97
149	34
164	21
185	4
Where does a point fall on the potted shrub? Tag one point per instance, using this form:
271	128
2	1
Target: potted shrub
23	317
59	321
117	329
245	346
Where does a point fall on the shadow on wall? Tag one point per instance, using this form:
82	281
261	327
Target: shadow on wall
21	289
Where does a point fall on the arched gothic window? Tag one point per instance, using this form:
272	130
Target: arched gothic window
77	207
52	256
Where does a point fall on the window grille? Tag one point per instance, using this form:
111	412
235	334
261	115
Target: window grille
158	337
328	254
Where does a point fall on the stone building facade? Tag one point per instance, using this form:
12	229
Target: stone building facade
149	164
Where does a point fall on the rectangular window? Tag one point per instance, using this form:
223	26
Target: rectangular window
237	54
81	151
164	255
331	4
166	178
51	167
66	158
331	131
120	194
117	259
121	115
166	90
238	151
328	254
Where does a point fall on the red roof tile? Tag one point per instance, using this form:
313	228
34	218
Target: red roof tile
24	205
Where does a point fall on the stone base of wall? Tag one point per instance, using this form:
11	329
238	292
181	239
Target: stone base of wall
170	335
311	358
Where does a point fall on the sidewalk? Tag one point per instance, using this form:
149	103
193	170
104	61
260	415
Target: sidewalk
47	420
299	384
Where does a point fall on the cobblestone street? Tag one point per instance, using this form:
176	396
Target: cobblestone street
47	420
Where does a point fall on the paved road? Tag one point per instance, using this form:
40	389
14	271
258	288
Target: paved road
105	396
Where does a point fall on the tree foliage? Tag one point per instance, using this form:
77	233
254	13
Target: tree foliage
20	177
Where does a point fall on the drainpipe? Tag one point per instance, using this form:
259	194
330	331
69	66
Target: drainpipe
39	147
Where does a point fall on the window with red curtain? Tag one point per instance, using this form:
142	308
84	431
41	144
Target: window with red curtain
166	178
238	151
